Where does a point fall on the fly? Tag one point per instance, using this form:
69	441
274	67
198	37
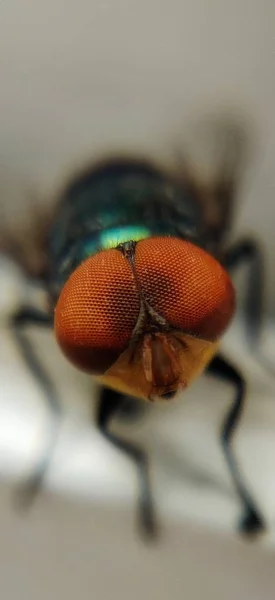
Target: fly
137	275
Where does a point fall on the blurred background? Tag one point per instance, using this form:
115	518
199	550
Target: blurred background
77	80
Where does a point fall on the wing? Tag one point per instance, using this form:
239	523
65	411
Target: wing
214	164
24	221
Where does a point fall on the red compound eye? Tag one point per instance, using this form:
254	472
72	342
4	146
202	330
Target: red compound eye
100	304
185	285
97	311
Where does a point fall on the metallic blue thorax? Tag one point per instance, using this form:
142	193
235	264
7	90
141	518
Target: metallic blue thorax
117	202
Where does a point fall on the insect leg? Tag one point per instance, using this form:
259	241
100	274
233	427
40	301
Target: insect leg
24	317
251	522
248	252
110	403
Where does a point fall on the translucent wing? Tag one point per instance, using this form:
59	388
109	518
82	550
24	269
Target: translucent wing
24	221
214	163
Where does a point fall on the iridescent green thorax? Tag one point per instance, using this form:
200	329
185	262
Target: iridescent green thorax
111	238
115	203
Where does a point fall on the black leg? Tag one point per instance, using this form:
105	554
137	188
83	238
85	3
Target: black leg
110	403
30	316
251	522
248	252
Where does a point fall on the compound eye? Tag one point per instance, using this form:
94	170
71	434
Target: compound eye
97	311
185	285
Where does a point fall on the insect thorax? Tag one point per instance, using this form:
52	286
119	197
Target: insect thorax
115	203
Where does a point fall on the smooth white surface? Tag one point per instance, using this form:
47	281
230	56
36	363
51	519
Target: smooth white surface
69	551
